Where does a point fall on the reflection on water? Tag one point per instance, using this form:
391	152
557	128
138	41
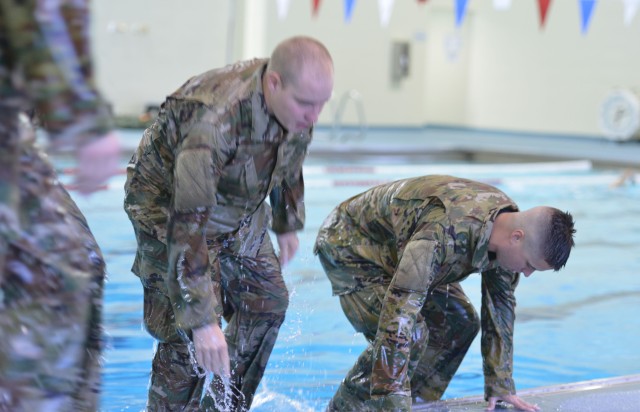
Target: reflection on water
591	304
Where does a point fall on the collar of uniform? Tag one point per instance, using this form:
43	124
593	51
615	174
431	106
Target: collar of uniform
481	254
265	125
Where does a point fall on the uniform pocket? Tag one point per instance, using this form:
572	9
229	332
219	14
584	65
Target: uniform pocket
159	319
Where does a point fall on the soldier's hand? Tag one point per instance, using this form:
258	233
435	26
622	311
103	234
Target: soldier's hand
288	245
97	162
513	400
211	349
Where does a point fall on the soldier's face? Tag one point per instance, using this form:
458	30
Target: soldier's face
520	256
297	104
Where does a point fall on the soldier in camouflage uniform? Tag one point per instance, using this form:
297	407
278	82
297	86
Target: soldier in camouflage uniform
395	255
51	269
196	194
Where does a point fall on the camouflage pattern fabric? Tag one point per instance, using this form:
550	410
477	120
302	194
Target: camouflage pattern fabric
46	65
195	193
50	300
51	270
395	255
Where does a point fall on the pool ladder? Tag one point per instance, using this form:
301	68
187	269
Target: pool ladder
337	132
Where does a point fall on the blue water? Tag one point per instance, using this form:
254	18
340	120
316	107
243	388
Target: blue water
577	324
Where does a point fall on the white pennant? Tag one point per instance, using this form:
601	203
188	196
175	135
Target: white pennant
385	7
283	8
630	10
501	4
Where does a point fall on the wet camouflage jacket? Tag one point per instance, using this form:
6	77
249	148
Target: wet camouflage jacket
207	164
425	232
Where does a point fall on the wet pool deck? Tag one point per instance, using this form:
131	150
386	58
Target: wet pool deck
618	394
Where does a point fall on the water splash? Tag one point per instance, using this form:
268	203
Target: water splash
226	397
267	400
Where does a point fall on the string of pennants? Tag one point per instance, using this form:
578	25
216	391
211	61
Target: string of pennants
385	7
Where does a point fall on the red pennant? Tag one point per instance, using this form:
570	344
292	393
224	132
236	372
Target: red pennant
316	7
544	7
422	1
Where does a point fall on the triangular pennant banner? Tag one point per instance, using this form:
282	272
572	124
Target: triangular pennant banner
630	10
385	7
283	8
348	9
501	4
316	7
543	6
586	11
422	1
461	10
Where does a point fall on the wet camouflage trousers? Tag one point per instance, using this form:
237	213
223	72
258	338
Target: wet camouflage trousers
445	329
51	284
255	300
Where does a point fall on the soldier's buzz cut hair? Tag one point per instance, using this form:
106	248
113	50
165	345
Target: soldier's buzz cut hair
293	55
558	239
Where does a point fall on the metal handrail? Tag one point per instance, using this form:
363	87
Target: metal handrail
349	96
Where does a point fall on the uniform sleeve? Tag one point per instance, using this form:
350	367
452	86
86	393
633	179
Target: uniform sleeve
498	316
56	71
287	199
404	299
199	157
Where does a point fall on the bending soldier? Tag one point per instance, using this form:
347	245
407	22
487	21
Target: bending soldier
395	256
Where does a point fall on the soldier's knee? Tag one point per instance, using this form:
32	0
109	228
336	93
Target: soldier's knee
467	319
474	322
470	331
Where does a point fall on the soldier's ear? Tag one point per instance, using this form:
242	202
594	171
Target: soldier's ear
273	80
517	236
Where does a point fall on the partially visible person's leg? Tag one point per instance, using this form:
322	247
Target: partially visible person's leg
453	324
176	383
362	309
255	300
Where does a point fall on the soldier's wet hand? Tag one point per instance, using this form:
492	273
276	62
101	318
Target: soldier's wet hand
514	400
211	349
288	245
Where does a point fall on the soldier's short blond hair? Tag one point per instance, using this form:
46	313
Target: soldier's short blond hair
296	54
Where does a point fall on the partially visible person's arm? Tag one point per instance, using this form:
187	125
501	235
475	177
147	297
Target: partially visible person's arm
405	297
211	349
97	162
199	157
498	317
287	199
52	64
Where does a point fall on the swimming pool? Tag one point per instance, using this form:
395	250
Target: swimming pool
575	325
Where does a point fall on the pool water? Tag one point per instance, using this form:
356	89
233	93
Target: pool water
578	324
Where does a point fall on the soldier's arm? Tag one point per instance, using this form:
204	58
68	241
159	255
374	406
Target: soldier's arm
200	153
498	316
419	264
51	63
287	199
58	71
